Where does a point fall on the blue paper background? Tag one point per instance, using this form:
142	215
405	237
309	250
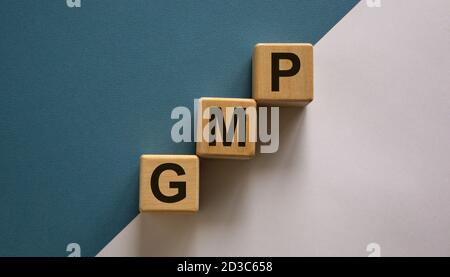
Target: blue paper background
84	92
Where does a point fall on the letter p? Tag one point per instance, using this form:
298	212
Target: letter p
277	72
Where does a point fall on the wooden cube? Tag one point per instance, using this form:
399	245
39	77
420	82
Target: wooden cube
283	74
226	128
169	183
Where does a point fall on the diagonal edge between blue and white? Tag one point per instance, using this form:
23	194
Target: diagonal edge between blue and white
85	91
362	171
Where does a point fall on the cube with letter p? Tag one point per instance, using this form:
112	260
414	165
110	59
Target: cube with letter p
283	73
